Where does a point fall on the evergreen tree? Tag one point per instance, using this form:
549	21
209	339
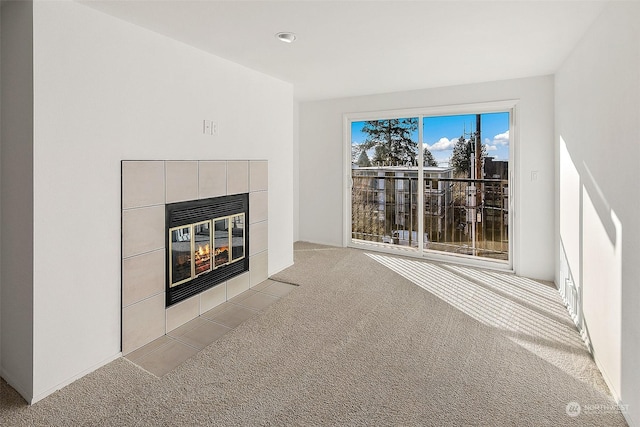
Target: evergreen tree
391	140
429	160
462	156
363	159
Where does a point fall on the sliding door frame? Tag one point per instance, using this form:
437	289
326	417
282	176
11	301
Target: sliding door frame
509	106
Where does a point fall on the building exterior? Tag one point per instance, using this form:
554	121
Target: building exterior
495	169
385	203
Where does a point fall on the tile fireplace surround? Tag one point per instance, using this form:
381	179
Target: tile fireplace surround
146	187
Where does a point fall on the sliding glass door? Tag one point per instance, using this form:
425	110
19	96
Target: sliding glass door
432	184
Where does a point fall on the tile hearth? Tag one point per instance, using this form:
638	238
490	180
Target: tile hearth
166	353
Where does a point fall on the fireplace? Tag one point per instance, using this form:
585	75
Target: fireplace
202	200
207	243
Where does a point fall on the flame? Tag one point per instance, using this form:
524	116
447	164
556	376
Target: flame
221	249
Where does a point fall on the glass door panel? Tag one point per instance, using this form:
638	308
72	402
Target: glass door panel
221	241
466	203
237	237
180	248
384	171
202	247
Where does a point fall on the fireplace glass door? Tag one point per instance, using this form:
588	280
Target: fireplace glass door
237	237
221	241
180	246
202	247
207	242
199	248
190	248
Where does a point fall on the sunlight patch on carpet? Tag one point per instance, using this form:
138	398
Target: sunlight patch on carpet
528	313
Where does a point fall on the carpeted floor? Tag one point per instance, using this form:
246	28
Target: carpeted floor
366	339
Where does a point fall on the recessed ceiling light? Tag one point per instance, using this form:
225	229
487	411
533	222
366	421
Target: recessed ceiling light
286	37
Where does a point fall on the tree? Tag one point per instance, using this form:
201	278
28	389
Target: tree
462	156
429	160
391	140
363	159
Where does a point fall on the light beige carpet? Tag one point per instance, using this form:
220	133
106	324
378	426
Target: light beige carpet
366	339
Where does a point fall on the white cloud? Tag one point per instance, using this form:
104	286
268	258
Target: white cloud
501	139
443	144
490	147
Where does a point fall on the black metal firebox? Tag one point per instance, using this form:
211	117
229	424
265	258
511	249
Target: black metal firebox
207	242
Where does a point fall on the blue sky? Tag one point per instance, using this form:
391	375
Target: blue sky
441	133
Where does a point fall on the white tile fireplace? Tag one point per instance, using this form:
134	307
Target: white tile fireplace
147	187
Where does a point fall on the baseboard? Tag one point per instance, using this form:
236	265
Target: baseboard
621	404
584	333
68	381
322	242
629	420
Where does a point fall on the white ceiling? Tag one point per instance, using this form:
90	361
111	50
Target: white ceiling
348	48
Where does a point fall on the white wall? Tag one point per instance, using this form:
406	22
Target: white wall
0	188
17	196
104	91
597	112
321	161
296	171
